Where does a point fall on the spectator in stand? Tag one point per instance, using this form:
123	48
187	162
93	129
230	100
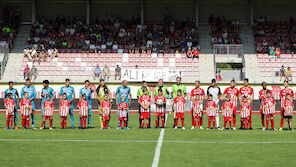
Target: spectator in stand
97	72
27	72
33	54
33	73
26	52
106	72
195	53
117	72
271	54
289	74
277	53
282	73
189	53
219	76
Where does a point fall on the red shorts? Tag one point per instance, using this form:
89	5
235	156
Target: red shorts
145	115
158	114
122	118
25	117
234	110
245	119
106	117
269	115
196	117
227	119
83	116
211	117
179	116
9	116
47	117
64	118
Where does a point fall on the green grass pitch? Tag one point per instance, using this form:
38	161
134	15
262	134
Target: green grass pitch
136	147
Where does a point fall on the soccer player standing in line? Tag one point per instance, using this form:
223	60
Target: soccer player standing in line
269	109
288	111
64	110
197	111
9	105
124	91
283	94
140	92
179	108
106	109
227	110
248	92
87	90
245	112
145	102
197	91
46	90
122	112
70	92
232	91
262	96
101	90
211	108
47	111
26	110
83	110
15	97
160	102
215	91
30	89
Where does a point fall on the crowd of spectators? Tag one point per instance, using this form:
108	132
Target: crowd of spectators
224	31
113	35
9	25
273	35
40	53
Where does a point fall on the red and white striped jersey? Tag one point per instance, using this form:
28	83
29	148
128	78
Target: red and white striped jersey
197	107
145	100
106	106
196	91
233	93
245	110
228	108
268	104
10	106
160	102
262	93
288	105
25	106
211	108
283	94
179	104
64	107
122	109
246	91
48	108
83	107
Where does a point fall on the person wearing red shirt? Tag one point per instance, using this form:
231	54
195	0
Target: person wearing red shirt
26	110
106	109
245	112
233	92
283	94
47	112
83	110
9	105
248	92
160	102
145	102
269	109
227	111
64	110
195	53
197	91
211	111
288	111
277	53
179	109
197	111
262	96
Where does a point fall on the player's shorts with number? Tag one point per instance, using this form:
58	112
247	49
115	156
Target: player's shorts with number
158	114
106	117
122	118
145	115
227	119
179	115
211	117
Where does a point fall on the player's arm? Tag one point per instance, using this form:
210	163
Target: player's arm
219	93
60	94
22	112
263	108
130	99
174	105
30	108
34	95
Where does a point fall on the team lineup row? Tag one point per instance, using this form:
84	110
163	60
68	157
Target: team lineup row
231	97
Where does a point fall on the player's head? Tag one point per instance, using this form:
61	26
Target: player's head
144	91
179	92
288	96
227	97
86	83
245	99
102	82
9	95
64	96
197	83
47	97
45	83
286	83
197	96
28	82
160	82
268	93
232	83
122	98
26	95
10	84
144	84
160	92
246	81
264	85
124	83
210	97
178	79
83	96
213	82
67	81
106	97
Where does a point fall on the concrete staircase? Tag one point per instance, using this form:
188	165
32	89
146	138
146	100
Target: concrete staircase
21	37
247	39
13	67
205	39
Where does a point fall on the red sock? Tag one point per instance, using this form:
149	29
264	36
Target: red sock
62	124
272	123
176	122
282	121
50	123
230	124
192	121
182	122
11	122
267	122
104	124
124	123
43	122
225	124
147	125
262	120
65	123
120	124
194	124
214	123
198	123
84	122
234	120
250	121
209	124
28	123
23	123
7	122
201	121
81	122
162	122
143	124
156	122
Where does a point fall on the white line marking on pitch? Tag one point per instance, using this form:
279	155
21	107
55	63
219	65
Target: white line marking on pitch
159	144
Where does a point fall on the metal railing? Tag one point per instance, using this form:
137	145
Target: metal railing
226	49
4	49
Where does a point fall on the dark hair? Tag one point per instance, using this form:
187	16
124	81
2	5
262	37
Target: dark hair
64	94
213	80
86	81
268	91
288	94
246	79
83	94
179	90
67	79
10	82
159	90
263	83
47	95
197	81
286	81
9	94
102	80
232	81
210	95
244	97
45	82
28	79
178	78
144	82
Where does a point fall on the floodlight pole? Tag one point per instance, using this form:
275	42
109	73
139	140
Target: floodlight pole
142	12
